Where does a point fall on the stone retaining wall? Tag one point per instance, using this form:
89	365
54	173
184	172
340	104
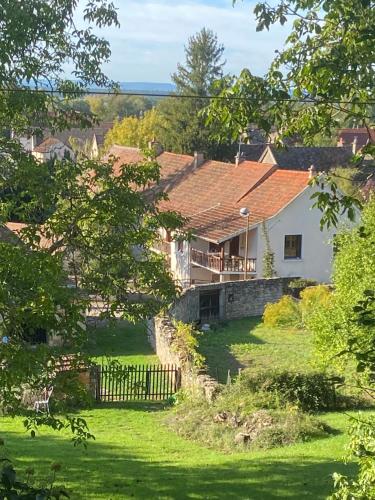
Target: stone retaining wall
238	299
161	335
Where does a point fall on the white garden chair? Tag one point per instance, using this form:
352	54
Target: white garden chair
42	404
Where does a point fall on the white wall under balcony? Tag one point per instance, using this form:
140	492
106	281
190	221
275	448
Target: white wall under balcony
180	261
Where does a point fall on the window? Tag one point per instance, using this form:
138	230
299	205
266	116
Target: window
292	246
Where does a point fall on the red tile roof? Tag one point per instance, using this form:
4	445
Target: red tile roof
125	155
16	228
362	136
46	145
211	194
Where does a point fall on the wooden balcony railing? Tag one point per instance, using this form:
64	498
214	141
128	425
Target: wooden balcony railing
217	262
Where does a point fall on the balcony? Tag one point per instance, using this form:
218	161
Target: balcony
219	263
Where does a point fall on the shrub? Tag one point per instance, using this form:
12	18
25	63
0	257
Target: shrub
313	298
299	284
290	312
284	313
277	389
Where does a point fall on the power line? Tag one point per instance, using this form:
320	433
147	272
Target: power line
180	96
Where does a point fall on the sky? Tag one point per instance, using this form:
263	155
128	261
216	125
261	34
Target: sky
151	39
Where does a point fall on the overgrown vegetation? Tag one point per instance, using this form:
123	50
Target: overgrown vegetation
185	343
263	410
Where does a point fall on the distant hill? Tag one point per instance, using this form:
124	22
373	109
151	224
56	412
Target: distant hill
147	87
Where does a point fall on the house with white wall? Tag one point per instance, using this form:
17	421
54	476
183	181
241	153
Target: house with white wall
46	144
214	196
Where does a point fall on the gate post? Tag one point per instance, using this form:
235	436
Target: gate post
96	372
178	379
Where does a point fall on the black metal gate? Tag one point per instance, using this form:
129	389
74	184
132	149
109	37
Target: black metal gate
136	382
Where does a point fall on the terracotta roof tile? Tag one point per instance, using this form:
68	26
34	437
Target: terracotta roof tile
211	195
362	136
46	145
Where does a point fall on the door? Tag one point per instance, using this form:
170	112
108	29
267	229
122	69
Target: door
234	246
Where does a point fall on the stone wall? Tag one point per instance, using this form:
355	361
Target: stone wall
161	335
238	299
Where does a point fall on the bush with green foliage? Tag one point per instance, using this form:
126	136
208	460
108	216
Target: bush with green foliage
313	299
284	313
310	392
290	312
299	284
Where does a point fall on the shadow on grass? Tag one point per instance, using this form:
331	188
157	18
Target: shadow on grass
215	345
113	472
142	406
120	339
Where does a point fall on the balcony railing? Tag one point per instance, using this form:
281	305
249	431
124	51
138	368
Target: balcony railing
162	247
218	263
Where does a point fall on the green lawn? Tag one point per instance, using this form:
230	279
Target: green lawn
247	343
125	342
136	456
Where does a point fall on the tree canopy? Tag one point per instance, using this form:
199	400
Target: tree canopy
182	129
98	228
135	131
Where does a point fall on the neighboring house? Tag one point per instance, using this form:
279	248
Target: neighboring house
51	149
211	193
302	157
45	145
357	138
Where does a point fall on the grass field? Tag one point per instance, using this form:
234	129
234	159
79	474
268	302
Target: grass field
136	456
125	342
247	343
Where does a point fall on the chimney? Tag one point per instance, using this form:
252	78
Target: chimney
312	171
198	159
354	145
238	158
155	146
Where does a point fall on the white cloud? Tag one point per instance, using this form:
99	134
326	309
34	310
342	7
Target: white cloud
153	33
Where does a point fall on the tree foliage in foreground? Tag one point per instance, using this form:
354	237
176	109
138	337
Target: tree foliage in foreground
97	229
344	333
322	79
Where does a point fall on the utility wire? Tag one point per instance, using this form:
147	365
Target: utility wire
180	96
